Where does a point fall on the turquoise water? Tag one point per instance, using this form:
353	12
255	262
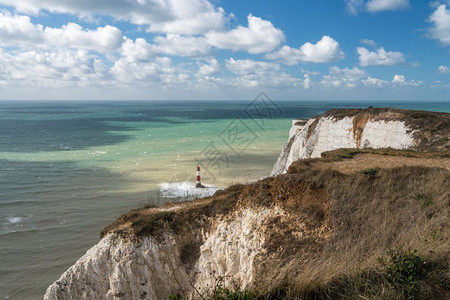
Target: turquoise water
70	168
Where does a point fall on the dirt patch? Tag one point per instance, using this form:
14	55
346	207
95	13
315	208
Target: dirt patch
348	161
359	123
311	128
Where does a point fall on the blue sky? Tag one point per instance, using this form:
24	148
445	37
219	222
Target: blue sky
224	49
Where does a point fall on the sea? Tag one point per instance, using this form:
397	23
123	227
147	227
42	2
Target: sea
68	169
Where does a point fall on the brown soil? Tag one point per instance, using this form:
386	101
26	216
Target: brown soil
363	161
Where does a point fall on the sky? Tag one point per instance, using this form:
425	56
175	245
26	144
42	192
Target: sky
225	49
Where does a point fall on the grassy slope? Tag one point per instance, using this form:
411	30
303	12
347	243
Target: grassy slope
348	224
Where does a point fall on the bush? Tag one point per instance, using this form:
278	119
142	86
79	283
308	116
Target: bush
404	270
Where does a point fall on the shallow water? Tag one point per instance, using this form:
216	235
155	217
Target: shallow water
70	168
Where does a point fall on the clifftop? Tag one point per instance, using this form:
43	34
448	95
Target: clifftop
365	128
317	230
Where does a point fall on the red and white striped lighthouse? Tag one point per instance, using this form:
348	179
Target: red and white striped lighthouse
198	182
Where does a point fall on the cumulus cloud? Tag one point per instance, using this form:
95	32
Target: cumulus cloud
248	66
17	30
137	51
444	70
324	51
103	39
400	80
259	37
208	69
167	16
355	6
259	74
159	70
189	17
379	58
187	46
51	68
374	82
343	77
441	25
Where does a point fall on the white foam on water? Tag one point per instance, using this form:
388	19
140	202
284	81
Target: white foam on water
14	220
185	189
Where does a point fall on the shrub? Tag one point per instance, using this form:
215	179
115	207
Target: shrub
404	270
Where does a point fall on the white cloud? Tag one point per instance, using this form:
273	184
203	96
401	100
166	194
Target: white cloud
19	31
379	58
400	80
259	37
159	70
187	46
441	25
167	16
374	82
211	68
51	69
346	77
248	66
259	74
355	6
370	43
382	5
189	17
357	78
324	51
103	39
306	81
137	51
444	70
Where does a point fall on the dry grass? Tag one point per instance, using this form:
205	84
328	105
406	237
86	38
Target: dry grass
336	226
369	215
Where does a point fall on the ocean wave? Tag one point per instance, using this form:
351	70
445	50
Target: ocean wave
186	190
14	220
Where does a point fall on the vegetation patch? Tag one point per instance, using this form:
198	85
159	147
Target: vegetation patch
370	171
424	198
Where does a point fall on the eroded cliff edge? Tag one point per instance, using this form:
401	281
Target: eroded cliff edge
323	219
364	128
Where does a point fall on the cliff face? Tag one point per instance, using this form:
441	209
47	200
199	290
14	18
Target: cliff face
281	229
153	267
370	128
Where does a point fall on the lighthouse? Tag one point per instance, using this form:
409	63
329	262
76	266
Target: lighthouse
198	182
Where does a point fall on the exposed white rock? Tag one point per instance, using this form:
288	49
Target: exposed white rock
330	133
230	250
149	268
117	267
383	134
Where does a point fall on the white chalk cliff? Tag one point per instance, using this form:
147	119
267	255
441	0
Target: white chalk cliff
310	139
151	268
